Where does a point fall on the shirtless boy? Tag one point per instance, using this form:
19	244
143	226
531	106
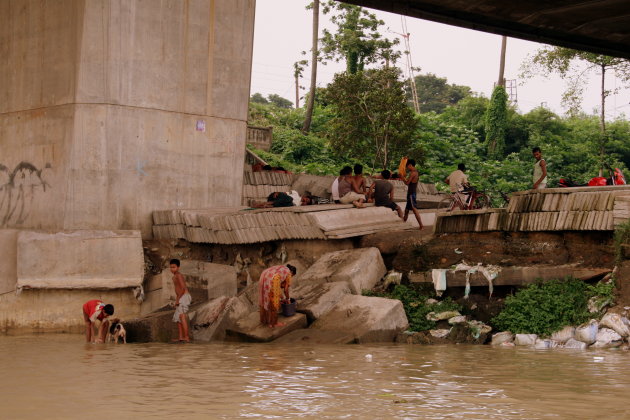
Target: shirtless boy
412	187
182	302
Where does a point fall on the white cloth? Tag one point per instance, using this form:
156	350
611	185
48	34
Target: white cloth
297	200
351	197
182	308
335	189
439	280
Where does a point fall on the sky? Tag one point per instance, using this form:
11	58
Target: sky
465	57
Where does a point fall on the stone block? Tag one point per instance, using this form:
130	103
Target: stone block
8	268
311	336
502	337
213	318
316	300
301	269
79	259
215	279
154	327
250	329
316	185
368	319
525	339
361	268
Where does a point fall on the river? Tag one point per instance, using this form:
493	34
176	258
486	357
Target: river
58	376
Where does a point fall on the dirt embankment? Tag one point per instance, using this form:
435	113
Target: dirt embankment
420	252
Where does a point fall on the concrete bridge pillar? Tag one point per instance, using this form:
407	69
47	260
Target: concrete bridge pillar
110	109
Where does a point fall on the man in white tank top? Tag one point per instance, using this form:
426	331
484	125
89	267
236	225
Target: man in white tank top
540	170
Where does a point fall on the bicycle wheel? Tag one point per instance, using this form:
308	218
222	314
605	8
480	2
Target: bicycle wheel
482	201
446	204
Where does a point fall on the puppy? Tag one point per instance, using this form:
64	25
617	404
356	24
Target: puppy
117	331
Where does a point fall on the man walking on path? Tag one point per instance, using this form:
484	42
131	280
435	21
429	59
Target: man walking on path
540	170
412	187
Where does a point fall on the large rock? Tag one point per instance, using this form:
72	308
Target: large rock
587	332
250	329
212	280
311	336
213	318
615	322
525	339
361	268
575	344
607	338
157	326
82	259
368	319
564	335
316	300
300	269
500	338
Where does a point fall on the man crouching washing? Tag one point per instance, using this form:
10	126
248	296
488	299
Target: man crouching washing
182	302
94	310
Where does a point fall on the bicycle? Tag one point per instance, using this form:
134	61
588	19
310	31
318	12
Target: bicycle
474	200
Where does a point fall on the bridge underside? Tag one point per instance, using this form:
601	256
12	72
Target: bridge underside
599	26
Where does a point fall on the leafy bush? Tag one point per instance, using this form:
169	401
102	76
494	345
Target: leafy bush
543	308
415	307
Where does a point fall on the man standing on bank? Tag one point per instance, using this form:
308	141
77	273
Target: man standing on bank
182	302
540	170
412	187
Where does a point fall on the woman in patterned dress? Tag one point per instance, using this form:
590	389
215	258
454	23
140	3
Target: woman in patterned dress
272	282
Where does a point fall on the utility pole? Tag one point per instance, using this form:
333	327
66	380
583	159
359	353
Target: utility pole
511	89
501	81
410	73
314	53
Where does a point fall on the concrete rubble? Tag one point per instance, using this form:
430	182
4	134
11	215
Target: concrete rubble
360	268
316	300
368	319
591	334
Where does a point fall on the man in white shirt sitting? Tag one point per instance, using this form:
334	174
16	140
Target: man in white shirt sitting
457	180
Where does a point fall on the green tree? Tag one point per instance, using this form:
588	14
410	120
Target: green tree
371	119
257	98
496	123
279	101
435	94
574	66
356	40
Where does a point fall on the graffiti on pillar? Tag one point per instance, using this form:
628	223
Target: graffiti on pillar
18	188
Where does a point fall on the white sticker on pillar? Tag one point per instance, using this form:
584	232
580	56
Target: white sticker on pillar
201	126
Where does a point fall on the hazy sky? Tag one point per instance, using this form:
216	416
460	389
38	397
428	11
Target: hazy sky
463	56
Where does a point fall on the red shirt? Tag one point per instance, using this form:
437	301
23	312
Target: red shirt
94	310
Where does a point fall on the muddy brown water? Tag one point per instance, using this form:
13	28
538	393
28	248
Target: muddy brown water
60	377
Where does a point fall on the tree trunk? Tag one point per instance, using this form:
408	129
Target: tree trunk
311	96
602	116
501	81
297	90
602	122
